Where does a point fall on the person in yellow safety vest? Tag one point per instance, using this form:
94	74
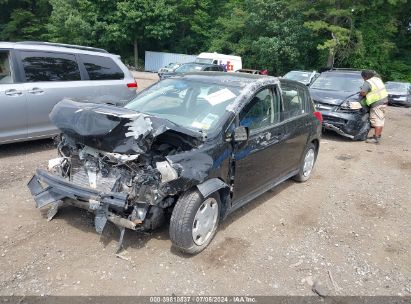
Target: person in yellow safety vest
376	98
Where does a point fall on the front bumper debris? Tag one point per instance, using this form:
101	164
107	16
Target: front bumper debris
49	189
59	188
350	125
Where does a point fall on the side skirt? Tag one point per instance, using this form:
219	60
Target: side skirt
241	202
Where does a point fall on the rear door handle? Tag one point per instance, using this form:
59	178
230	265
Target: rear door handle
36	91
13	92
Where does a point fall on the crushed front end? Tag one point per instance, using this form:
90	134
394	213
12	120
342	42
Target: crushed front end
347	118
112	185
115	164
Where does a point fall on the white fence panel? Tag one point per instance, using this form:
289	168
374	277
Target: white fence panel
156	60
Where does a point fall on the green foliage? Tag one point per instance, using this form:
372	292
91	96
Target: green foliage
278	35
23	19
265	33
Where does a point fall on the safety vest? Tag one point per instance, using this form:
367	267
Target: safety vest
377	92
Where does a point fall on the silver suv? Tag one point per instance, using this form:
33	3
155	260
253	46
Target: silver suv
34	76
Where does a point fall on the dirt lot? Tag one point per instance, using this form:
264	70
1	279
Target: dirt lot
347	229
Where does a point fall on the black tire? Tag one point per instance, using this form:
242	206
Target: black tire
182	221
301	177
364	133
362	136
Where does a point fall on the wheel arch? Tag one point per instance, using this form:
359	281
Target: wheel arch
215	184
316	143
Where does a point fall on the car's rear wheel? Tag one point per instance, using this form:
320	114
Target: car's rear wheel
194	221
307	163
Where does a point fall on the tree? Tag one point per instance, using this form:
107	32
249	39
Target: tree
23	19
194	23
136	20
68	24
265	33
335	21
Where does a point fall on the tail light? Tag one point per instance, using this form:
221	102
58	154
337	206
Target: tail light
132	85
319	116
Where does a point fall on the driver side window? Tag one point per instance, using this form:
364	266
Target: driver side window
261	111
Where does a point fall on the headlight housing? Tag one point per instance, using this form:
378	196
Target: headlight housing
351	105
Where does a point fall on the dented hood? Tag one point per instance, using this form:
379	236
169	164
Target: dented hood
113	129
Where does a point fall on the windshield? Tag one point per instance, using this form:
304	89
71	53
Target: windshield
204	60
298	76
397	86
190	67
191	104
338	82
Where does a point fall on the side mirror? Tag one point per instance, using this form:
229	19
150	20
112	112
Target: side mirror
241	134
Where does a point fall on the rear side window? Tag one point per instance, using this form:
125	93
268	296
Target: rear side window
5	68
101	68
293	100
44	66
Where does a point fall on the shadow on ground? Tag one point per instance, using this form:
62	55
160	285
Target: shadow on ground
83	220
27	147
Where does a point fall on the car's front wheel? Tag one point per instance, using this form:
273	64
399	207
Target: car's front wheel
194	221
307	163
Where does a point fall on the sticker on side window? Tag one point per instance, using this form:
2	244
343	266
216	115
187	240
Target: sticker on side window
219	96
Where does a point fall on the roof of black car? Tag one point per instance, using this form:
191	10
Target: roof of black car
343	71
236	79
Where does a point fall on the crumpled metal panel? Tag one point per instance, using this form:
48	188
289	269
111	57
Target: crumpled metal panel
112	129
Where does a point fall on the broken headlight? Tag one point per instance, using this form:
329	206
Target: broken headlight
350	106
59	165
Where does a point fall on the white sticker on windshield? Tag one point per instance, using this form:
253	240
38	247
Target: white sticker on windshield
209	119
200	125
219	96
197	68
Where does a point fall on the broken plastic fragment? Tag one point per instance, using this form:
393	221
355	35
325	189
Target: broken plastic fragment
55	162
167	172
139	126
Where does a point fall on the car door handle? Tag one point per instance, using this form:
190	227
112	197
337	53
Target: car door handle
13	92
36	91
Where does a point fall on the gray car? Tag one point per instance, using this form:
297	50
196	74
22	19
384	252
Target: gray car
399	93
34	76
305	77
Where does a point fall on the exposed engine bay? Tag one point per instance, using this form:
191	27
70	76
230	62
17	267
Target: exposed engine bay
134	188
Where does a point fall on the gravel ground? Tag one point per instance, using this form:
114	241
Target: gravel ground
344	232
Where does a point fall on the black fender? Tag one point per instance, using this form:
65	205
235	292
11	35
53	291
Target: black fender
213	185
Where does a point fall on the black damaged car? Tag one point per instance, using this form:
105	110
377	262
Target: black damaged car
191	148
336	95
